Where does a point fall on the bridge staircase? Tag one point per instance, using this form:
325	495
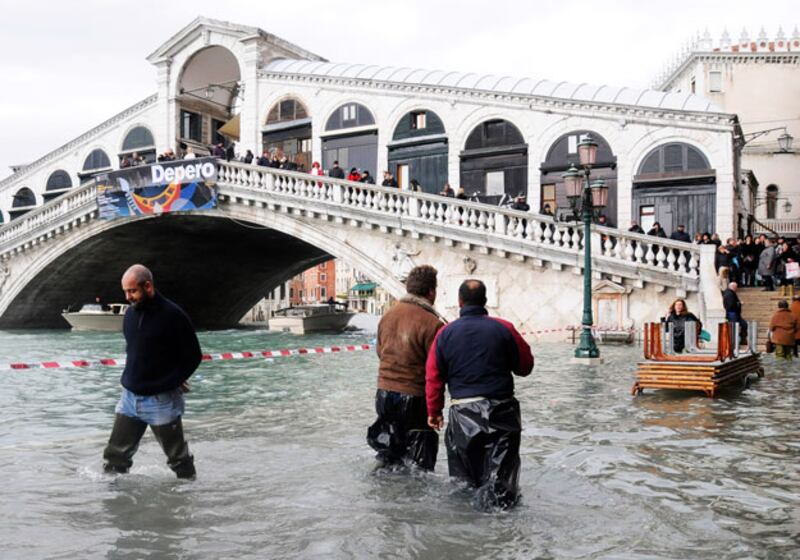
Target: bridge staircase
758	305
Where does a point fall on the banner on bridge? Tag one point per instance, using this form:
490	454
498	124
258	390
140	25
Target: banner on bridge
159	188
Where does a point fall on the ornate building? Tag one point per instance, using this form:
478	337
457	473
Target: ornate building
757	78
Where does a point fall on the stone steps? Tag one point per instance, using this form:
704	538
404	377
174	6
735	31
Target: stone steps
758	305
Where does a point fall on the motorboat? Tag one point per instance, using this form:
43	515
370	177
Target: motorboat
301	319
97	317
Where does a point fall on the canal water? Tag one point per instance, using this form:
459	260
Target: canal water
284	471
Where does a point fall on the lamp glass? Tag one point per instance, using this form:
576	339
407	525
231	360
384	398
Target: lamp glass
785	142
209	92
572	182
587	150
787	206
599	193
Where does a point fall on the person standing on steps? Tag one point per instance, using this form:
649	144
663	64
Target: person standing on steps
162	353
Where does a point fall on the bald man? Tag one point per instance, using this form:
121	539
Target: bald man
162	353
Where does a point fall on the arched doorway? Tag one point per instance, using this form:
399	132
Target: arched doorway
351	138
495	161
288	130
208	97
140	141
58	183
96	162
675	185
418	150
560	156
23	201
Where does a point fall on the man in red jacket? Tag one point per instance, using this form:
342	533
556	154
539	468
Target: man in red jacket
476	356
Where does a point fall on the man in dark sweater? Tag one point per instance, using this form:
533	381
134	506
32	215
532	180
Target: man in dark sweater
405	335
162	353
476	356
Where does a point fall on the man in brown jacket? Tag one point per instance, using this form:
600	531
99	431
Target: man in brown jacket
783	329
405	335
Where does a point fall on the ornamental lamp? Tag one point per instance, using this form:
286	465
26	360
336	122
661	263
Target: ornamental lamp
785	142
787	206
572	181
587	151
599	193
210	92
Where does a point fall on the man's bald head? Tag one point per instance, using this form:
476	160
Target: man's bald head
472	292
137	283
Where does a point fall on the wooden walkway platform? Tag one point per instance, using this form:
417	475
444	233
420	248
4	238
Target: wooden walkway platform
707	372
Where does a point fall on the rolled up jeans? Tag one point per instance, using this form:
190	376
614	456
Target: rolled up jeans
155	410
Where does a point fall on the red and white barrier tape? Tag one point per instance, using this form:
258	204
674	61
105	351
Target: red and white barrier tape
206	357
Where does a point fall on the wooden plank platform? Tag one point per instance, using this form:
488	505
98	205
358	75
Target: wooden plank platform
708	377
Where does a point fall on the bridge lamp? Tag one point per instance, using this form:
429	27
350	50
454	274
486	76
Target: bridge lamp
599	193
572	181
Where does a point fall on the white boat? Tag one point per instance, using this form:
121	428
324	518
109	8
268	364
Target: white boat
97	317
301	319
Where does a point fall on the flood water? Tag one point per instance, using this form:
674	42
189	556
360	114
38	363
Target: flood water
284	470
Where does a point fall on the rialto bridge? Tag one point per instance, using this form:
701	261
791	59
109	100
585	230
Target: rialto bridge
667	157
271	224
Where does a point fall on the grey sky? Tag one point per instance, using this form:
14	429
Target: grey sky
67	65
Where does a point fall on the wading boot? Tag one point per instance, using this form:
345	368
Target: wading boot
170	436
123	443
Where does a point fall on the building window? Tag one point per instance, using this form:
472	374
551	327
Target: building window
305	145
287	110
647	217
772	202
495	183
323	293
418	121
715	82
323	277
191	126
349	113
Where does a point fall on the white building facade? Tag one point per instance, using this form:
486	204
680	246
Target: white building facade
492	135
758	78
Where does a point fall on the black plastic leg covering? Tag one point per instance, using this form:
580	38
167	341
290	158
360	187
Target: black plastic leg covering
123	443
170	436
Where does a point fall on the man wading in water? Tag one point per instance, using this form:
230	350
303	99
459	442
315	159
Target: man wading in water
162	353
475	356
404	336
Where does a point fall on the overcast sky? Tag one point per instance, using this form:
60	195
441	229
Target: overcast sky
66	66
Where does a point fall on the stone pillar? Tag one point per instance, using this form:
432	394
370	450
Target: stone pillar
249	116
625	195
164	121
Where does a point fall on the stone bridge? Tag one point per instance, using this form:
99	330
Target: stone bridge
272	224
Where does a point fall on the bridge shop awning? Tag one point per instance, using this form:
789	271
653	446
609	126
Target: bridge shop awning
231	128
364	287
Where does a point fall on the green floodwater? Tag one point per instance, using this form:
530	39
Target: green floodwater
284	470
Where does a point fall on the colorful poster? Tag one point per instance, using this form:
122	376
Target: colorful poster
158	188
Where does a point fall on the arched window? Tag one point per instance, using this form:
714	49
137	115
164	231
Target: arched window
137	139
24	198
287	110
96	160
772	202
675	157
418	151
59	180
495	161
350	115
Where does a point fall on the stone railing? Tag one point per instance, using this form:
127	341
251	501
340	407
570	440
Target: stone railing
503	230
77	204
780	227
628	251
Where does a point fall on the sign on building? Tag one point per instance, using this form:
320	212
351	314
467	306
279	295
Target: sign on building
178	186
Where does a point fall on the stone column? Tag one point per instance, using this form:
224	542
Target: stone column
249	116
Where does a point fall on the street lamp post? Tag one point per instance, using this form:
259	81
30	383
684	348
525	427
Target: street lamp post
592	196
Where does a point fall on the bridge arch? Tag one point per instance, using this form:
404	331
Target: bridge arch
207	94
55	275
